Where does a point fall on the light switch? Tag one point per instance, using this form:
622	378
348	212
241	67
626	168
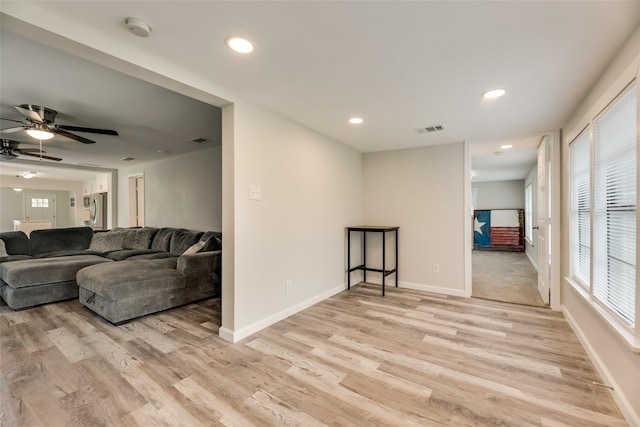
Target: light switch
254	193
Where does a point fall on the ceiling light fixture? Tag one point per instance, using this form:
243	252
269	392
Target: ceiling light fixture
40	133
29	175
356	121
239	44
506	147
17	189
492	94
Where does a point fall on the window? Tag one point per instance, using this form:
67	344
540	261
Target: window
528	213
602	214
39	203
580	209
614	207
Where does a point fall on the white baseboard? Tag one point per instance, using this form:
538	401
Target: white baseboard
421	287
623	403
535	265
239	334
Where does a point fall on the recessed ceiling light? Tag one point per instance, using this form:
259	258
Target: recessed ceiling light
17	189
356	120
29	175
506	147
239	44
495	93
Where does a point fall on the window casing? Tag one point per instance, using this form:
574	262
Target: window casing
580	209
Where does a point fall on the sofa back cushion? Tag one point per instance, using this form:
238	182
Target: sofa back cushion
60	239
16	242
107	241
139	238
183	239
162	239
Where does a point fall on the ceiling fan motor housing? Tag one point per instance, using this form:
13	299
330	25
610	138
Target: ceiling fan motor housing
47	114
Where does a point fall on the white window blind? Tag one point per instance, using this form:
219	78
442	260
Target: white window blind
614	207
528	212
580	211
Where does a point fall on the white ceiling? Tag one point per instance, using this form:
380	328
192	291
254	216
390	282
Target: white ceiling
399	65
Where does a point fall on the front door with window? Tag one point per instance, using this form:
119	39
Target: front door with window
40	207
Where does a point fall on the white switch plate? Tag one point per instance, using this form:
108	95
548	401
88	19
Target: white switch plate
436	268
287	286
255	192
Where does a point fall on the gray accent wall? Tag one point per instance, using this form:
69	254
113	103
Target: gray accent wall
181	191
499	194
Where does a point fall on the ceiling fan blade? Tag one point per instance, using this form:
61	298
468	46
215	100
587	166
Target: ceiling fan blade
29	114
88	130
72	136
22	150
13	129
39	156
10	120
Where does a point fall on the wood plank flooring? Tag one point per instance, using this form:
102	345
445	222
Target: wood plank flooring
356	359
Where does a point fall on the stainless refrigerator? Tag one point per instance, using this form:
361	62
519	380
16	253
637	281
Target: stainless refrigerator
98	211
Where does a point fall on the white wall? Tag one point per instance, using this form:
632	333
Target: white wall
530	248
422	191
67	217
181	191
311	190
612	355
499	194
12	207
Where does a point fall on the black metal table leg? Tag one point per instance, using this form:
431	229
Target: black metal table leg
348	259
384	270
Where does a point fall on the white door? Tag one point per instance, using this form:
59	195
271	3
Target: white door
40	207
544	220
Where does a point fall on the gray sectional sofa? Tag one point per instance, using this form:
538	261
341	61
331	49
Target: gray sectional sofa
119	274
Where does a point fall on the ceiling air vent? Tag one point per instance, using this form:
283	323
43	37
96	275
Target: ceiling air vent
430	129
198	141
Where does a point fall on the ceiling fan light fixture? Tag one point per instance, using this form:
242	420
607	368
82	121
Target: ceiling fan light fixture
40	134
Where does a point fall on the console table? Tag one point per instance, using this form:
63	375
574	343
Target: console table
364	229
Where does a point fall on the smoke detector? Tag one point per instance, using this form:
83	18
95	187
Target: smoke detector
138	27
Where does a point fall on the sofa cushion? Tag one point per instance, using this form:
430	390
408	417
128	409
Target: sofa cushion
139	238
108	241
195	248
162	239
70	253
3	250
16	243
60	239
128	253
31	272
124	279
213	241
183	239
15	258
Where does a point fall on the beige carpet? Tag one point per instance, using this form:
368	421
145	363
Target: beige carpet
505	276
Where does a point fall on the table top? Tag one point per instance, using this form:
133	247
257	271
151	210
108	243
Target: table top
373	228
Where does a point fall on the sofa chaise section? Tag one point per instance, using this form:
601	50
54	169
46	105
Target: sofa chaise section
29	282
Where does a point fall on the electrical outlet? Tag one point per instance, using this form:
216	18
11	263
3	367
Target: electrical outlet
288	285
436	268
255	193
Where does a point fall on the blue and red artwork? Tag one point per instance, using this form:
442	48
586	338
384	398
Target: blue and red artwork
499	229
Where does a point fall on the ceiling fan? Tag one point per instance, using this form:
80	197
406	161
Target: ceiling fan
40	125
9	150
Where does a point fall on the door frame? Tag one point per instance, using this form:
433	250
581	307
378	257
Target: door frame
555	267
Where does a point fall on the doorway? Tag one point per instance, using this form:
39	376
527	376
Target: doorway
40	207
136	200
517	176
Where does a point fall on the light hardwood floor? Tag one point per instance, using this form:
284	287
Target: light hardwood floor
356	359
